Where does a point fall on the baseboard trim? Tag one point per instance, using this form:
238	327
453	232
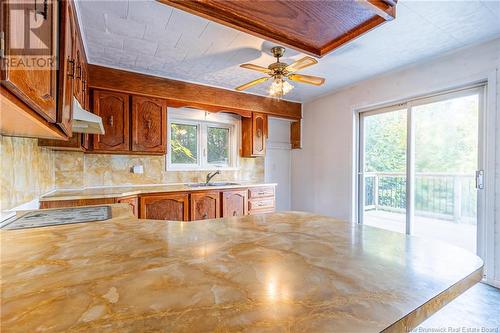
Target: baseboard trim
493	283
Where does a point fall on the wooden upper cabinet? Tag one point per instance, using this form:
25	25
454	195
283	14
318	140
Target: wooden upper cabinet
205	205
113	108
149	124
79	87
66	68
254	134
234	203
173	207
37	87
85	88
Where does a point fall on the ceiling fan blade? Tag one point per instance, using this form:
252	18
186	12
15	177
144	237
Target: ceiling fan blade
309	79
301	63
252	83
256	68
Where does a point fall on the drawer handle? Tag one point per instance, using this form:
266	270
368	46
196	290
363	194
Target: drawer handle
110	120
71	68
261	193
79	71
261	204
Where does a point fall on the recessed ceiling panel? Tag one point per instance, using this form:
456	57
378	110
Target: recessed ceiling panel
314	27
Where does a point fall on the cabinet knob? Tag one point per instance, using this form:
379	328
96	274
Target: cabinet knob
205	215
234	213
110	120
148	124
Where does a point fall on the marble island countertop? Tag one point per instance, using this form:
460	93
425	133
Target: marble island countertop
278	272
124	191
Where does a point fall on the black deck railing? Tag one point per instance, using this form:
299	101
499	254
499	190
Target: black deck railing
449	196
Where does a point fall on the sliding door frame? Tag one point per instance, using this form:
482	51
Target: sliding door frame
480	89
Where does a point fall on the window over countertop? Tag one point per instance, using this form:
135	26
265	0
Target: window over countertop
199	140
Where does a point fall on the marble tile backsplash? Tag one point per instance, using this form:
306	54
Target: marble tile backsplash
76	170
27	171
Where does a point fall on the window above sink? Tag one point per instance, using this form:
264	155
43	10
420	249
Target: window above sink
199	140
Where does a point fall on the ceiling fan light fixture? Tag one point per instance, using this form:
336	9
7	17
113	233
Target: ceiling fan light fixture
279	87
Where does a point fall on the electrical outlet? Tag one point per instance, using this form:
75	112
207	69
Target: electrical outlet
138	169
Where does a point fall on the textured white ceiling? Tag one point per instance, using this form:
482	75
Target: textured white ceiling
152	38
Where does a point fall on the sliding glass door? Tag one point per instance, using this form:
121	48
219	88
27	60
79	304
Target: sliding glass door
418	167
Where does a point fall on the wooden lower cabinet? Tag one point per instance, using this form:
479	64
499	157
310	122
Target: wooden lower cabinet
173	207
187	206
205	205
234	203
133	202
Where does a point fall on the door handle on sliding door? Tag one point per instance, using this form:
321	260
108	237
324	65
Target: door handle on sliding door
480	179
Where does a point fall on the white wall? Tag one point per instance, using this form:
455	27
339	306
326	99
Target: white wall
278	161
322	172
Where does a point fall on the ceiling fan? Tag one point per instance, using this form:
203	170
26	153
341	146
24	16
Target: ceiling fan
281	72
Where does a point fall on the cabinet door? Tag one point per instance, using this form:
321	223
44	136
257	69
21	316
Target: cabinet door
234	203
77	85
173	207
205	205
66	70
253	135
259	132
113	108
149	124
36	86
133	202
85	87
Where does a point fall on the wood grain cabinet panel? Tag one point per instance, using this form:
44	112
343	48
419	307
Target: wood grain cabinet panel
205	205
113	108
259	192
254	134
66	72
37	87
149	124
258	204
234	203
173	207
133	202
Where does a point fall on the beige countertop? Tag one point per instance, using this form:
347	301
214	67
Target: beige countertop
124	191
277	272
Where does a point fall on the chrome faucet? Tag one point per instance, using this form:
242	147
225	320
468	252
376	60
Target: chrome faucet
211	175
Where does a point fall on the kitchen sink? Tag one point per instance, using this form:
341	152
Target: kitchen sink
212	184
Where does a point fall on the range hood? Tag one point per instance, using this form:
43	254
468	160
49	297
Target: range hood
84	121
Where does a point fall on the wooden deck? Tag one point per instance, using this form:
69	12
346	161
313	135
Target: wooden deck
462	235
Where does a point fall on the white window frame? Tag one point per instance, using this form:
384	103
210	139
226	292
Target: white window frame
204	120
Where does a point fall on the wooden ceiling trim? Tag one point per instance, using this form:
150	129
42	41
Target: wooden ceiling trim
313	27
185	94
381	8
